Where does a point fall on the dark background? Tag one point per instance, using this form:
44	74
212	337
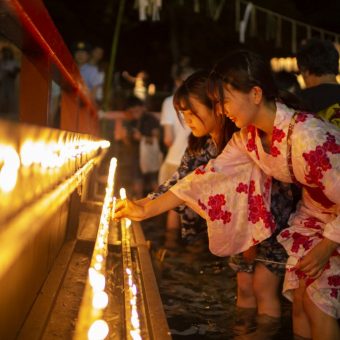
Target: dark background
155	45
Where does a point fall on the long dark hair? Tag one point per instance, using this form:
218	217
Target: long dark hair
243	70
196	86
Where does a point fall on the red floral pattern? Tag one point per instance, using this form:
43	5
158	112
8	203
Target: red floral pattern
200	170
285	234
251	145
277	136
300	240
242	187
215	212
257	209
301	117
334	293
311	222
318	160
334	280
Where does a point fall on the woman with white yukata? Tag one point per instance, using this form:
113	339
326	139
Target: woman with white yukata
274	141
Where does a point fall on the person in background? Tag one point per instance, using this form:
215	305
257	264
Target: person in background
182	66
90	74
318	63
9	70
140	83
287	81
96	59
141	140
175	138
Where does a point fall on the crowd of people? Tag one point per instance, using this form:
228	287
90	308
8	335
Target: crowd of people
260	176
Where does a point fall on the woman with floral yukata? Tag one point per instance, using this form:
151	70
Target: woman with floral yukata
210	133
291	146
275	141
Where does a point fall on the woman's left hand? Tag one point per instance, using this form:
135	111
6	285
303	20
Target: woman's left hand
314	262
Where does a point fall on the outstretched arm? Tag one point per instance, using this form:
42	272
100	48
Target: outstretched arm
139	211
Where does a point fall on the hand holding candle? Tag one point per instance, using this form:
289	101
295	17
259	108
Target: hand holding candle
128	209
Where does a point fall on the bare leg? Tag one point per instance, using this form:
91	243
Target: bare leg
324	327
173	220
301	325
245	293
266	288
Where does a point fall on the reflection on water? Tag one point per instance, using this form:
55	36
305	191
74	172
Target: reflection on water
198	291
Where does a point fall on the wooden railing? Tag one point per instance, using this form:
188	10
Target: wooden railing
272	25
46	62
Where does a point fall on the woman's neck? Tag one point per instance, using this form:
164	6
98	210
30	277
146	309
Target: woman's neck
215	137
265	118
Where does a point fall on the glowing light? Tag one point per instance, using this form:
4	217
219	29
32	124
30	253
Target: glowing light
127	222
134	289
97	266
98	330
26	153
97	280
135	335
122	193
100	300
151	89
9	170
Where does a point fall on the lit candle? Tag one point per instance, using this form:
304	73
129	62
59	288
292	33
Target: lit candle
98	330
122	193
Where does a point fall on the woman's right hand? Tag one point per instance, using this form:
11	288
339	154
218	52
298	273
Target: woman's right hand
129	209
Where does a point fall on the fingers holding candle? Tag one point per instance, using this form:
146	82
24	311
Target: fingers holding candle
128	209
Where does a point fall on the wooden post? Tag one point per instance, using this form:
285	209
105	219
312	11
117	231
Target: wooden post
35	88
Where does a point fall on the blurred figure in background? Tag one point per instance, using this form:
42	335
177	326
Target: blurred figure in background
183	65
318	63
140	154
96	59
287	81
140	82
90	74
9	69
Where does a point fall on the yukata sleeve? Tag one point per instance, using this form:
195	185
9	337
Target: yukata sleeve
319	167
233	195
329	180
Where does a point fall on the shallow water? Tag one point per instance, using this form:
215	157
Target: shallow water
198	291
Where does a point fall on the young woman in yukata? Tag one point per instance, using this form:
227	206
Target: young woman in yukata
210	133
274	141
291	147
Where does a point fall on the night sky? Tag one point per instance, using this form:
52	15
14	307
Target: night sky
150	45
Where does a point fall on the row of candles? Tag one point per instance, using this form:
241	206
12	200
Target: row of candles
44	155
132	317
98	328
